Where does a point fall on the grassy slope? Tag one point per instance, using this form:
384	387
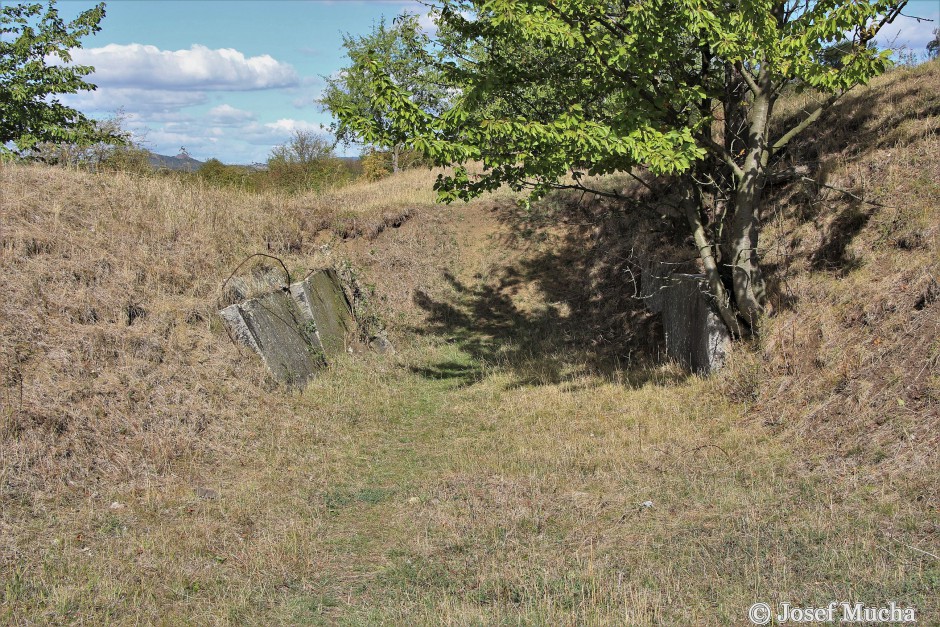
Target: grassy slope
494	469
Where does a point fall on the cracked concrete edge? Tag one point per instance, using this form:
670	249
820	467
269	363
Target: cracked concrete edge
234	319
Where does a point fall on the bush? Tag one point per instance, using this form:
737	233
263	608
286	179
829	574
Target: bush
130	159
86	154
376	165
306	163
216	173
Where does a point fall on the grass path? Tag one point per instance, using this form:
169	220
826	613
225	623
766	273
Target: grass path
486	504
467	486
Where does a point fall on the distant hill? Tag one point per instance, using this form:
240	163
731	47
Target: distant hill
179	162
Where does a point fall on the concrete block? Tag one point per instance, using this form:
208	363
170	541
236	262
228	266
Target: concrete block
321	300
695	334
273	327
295	331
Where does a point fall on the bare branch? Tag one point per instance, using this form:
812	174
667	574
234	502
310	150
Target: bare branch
751	84
722	153
804	123
887	19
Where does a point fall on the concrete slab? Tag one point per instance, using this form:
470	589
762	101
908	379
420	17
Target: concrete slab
273	327
696	336
295	331
321	300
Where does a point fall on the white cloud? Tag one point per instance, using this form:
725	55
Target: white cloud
133	99
155	86
201	68
428	24
163	117
288	126
271	134
307	98
241	140
227	115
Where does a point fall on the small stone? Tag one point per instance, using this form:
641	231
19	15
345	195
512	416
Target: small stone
381	345
414	500
206	493
116	505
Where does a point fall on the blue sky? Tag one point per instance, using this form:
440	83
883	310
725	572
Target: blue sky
233	78
226	79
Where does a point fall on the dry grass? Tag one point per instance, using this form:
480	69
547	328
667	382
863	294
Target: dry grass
495	469
407	189
852	358
111	283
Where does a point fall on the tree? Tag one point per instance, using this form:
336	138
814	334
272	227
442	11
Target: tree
402	49
683	88
114	138
933	46
304	148
34	53
305	162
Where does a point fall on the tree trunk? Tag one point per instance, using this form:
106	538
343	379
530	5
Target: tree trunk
735	115
396	150
692	205
750	292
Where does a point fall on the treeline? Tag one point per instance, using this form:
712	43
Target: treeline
306	163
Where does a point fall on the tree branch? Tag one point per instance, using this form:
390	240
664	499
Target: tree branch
751	84
722	153
889	17
804	123
580	188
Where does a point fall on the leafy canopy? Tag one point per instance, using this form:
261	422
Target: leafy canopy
34	52
402	49
546	87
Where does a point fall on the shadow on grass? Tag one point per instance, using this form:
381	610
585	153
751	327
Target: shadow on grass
563	309
566	307
459	374
832	254
891	117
